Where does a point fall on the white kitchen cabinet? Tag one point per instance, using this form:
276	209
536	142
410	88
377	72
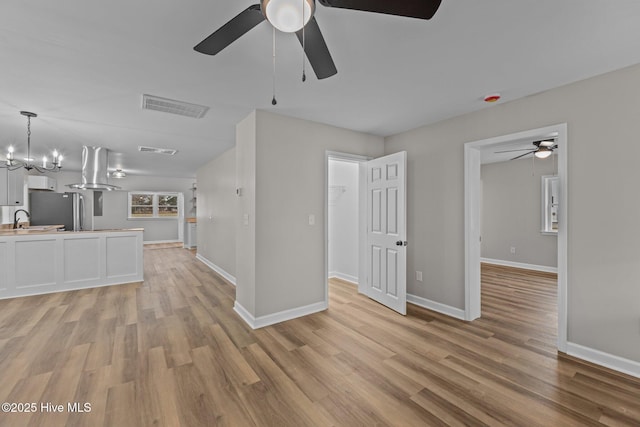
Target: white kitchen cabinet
12	187
38	182
40	263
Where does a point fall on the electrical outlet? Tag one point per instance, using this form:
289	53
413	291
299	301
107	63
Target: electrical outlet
419	276
513	249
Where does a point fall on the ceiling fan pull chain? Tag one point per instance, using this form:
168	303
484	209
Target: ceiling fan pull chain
533	165
273	101
304	75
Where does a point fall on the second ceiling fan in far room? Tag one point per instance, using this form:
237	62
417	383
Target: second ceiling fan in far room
544	149
297	16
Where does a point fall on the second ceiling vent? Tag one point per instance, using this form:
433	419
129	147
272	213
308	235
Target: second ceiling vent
166	105
156	150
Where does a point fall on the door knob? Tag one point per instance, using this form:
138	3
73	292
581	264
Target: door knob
401	243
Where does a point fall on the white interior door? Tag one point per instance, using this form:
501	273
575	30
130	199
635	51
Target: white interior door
386	245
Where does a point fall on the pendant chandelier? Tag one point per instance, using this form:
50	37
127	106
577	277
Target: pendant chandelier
27	163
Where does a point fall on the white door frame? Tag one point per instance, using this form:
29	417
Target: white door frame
472	221
362	218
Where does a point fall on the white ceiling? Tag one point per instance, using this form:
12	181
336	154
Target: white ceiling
83	66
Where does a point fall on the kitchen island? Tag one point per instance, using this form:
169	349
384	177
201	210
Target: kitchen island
43	261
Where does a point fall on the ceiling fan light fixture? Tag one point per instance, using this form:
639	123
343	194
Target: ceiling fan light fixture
543	152
287	15
118	173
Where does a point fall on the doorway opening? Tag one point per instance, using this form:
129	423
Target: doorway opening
343	220
344	206
473	211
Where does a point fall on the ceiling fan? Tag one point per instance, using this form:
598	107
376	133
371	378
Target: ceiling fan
291	16
543	149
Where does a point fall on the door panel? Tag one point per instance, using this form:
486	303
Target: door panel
386	231
392	272
392	211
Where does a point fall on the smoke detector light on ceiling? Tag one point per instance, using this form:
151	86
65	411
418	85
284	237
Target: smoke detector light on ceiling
156	150
494	97
165	105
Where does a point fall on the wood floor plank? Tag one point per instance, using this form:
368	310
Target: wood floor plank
156	390
172	352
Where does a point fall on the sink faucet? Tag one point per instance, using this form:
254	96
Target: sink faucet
15	217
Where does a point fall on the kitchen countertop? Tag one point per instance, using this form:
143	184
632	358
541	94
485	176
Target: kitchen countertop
48	229
30	230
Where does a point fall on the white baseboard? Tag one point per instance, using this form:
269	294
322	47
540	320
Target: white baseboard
526	266
154	242
346	277
271	319
230	278
436	306
610	361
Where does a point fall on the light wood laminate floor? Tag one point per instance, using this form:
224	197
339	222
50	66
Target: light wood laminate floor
172	352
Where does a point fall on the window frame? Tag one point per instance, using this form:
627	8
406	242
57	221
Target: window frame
550	204
155	197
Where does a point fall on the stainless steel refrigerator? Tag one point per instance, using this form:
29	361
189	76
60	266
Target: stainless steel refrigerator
57	208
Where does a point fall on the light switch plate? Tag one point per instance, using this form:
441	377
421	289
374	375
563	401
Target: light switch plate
312	219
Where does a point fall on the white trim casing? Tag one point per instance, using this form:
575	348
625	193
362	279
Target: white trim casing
472	219
598	357
436	306
282	316
472	205
228	277
543	268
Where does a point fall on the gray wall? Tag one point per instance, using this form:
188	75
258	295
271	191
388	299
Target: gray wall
115	203
217	211
603	207
284	158
511	213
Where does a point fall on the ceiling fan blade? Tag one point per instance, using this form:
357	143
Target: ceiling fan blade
316	50
511	151
231	31
422	9
522	155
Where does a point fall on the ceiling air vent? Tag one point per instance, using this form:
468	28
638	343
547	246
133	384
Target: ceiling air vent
156	150
151	102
